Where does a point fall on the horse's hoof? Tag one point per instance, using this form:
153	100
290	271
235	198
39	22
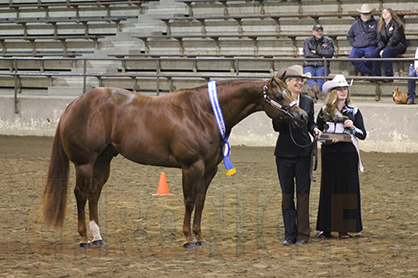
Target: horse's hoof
98	242
201	243
189	245
85	245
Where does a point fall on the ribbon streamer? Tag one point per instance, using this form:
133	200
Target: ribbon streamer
226	148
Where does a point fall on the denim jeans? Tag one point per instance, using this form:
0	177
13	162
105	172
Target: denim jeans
363	66
411	85
389	52
316	71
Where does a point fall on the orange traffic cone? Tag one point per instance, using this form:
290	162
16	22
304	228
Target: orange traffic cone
162	186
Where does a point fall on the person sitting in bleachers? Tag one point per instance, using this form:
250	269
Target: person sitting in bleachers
363	38
317	46
412	82
391	40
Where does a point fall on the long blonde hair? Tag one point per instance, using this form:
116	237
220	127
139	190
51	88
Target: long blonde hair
331	101
395	18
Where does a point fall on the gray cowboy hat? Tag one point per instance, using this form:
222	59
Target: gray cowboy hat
338	81
365	9
293	71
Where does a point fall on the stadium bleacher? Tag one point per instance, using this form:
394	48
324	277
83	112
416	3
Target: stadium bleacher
187	31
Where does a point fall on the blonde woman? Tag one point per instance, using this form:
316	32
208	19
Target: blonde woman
339	203
391	39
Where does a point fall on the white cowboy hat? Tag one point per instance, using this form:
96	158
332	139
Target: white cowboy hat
337	81
365	9
293	71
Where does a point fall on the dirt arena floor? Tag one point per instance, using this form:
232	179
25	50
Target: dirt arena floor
241	222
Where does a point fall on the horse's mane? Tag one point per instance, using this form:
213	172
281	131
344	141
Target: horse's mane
227	82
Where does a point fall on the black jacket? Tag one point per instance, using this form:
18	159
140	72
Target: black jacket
363	34
284	145
323	47
392	35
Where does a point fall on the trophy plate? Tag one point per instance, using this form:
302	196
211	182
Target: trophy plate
326	137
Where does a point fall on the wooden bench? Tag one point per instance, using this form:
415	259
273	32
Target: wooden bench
46	6
239	19
53	22
275	17
216	37
62	38
69	3
228	3
224	3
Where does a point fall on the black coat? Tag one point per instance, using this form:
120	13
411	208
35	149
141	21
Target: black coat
392	35
324	48
284	145
363	34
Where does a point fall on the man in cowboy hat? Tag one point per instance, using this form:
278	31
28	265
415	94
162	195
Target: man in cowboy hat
363	38
293	150
317	46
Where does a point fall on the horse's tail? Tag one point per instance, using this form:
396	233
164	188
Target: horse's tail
55	194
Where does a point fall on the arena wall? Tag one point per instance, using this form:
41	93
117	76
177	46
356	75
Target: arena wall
390	127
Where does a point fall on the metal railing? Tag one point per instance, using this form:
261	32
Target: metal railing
234	71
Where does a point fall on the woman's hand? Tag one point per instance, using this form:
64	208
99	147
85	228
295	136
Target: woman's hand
349	124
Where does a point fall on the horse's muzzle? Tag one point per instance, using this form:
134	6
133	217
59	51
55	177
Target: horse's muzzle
300	118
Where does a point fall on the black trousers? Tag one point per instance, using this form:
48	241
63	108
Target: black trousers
293	171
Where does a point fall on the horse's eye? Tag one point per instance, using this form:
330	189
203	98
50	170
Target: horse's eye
279	96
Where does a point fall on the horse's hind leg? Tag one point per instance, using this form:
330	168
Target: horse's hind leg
89	183
84	177
101	175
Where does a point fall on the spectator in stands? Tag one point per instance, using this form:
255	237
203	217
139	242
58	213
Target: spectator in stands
339	200
317	46
363	37
411	83
391	40
293	150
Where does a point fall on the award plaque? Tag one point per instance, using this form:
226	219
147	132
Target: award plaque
326	137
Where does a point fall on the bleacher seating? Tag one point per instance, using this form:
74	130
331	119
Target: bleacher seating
61	27
205	35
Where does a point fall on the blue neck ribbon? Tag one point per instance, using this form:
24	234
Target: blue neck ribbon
226	148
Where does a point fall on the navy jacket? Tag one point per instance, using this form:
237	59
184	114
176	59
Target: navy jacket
392	35
324	48
284	145
363	34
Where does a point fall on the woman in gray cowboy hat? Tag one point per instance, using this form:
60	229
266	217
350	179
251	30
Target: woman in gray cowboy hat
339	201
293	161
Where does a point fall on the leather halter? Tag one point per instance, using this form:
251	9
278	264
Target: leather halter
278	106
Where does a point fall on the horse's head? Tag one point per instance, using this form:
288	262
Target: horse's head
278	103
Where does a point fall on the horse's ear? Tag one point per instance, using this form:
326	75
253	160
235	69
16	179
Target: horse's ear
280	75
274	81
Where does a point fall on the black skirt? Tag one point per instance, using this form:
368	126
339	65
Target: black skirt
339	201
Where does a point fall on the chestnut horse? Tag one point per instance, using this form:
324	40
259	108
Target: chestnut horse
178	129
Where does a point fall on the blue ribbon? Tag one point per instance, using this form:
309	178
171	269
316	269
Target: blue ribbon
226	148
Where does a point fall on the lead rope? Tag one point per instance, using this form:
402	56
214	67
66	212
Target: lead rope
314	152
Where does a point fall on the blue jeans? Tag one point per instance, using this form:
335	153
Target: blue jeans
389	52
316	71
411	85
363	66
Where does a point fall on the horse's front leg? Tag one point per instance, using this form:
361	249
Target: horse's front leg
200	202
192	176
